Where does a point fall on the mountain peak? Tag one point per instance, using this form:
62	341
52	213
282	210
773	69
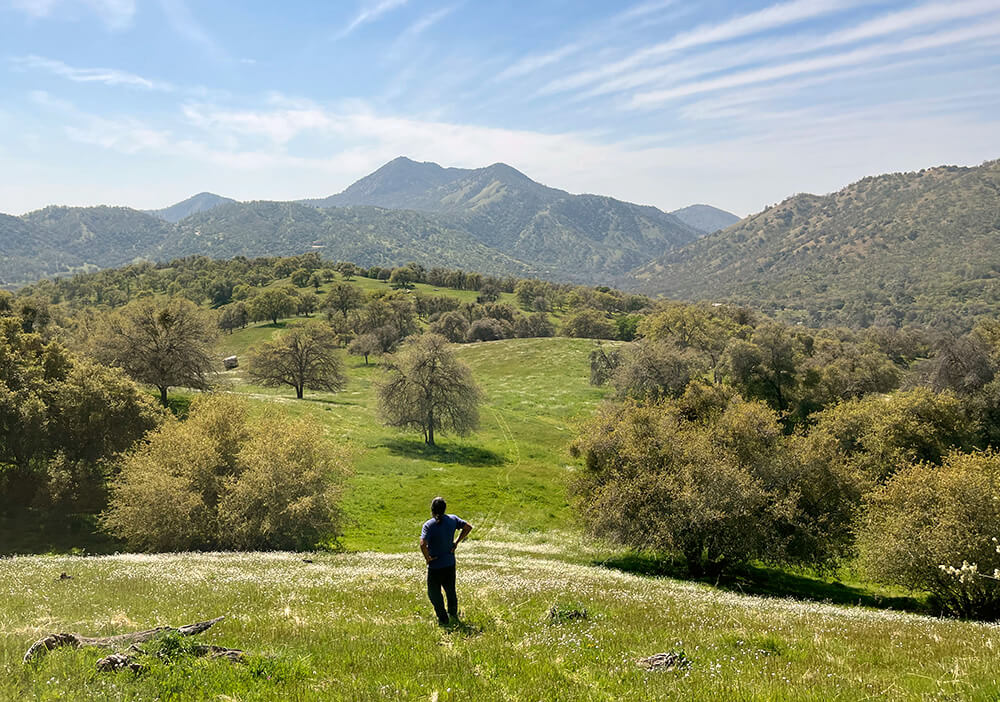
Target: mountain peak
201	202
705	218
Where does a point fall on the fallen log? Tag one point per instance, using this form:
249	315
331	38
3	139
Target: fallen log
54	641
130	658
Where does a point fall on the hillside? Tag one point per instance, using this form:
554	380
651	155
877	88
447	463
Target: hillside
897	248
96	237
356	625
366	235
586	238
705	218
494	220
27	253
202	202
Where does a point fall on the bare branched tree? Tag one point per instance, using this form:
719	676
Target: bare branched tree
302	357
427	389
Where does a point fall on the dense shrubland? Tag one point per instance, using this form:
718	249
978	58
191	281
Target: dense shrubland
736	438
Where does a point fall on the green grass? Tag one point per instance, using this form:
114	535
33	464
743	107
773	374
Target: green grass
358	627
547	613
511	474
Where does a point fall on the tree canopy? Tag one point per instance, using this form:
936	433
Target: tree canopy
301	357
165	344
427	389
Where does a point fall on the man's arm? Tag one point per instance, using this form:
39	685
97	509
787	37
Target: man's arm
466	528
426	551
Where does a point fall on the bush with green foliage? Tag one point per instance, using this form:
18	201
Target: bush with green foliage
589	323
226	479
718	490
928	523
880	434
655	370
62	419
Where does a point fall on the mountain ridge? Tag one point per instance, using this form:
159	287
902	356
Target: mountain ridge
897	248
201	202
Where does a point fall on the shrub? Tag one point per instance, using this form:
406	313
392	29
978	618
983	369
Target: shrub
927	522
283	495
453	326
489	329
533	326
589	323
654	370
879	434
221	479
719	491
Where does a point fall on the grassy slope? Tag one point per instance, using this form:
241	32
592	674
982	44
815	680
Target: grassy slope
510	474
357	626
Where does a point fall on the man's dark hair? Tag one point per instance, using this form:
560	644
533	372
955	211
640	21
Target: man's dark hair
438	507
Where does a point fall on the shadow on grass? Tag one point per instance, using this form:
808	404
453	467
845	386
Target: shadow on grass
770	582
31	533
451	453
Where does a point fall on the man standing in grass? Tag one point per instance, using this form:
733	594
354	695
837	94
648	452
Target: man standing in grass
437	543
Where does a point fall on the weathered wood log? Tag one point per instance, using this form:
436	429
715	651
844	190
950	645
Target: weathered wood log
129	659
54	641
672	660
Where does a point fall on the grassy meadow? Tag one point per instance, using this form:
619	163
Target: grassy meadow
355	624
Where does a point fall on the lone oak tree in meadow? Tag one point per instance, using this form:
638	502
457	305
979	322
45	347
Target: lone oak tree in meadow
301	357
426	388
162	344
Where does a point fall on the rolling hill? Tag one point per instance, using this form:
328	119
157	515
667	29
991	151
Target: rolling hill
494	220
890	249
705	218
202	202
586	238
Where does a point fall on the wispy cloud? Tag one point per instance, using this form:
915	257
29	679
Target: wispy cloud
988	30
106	76
597	35
530	64
116	14
773	17
370	11
427	21
183	21
126	135
731	56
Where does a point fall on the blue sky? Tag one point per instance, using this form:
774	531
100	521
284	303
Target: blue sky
663	102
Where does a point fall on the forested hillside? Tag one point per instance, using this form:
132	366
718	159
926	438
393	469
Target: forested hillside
887	250
367	235
585	238
495	220
27	254
201	202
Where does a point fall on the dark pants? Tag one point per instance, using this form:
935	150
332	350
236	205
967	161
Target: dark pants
438	578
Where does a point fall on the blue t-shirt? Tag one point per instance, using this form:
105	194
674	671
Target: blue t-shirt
440	535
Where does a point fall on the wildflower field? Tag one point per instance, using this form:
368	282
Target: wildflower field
545	616
357	627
